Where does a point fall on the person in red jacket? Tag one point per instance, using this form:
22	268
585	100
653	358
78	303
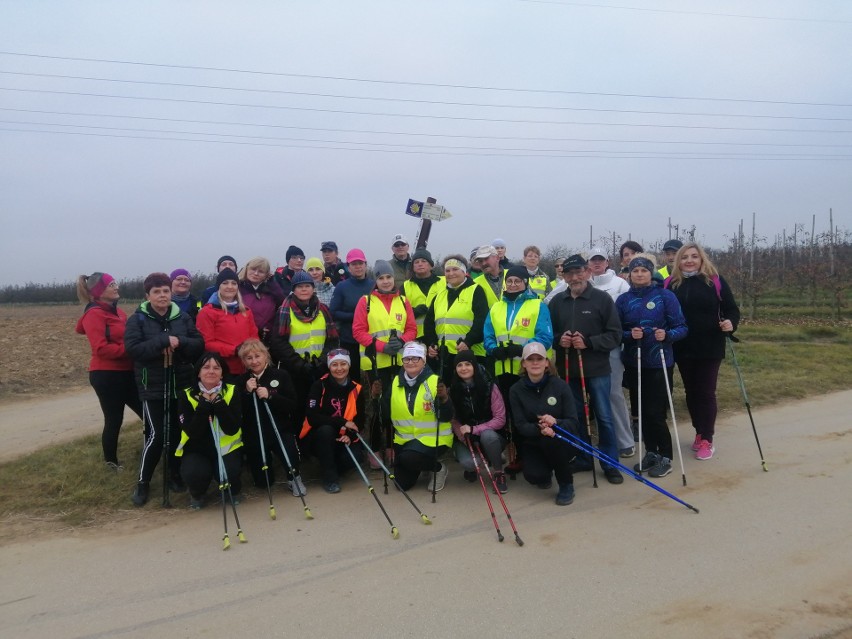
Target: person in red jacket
110	369
225	322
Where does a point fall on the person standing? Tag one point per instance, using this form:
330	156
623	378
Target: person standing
423	286
322	282
587	326
295	258
261	294
499	245
541	401
345	300
626	253
670	249
181	294
225	322
539	283
400	260
711	313
163	342
651	319
335	270
606	280
226	261
493	274
110	368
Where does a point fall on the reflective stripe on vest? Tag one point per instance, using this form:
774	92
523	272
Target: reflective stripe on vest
380	322
307	337
422	424
417	297
538	285
455	322
227	443
520	329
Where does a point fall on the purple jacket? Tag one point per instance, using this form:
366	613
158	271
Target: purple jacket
263	302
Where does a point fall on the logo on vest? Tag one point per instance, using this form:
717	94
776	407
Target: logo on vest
399	317
525	322
427	407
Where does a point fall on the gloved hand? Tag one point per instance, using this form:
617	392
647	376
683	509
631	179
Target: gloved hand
499	353
420	310
514	350
393	346
370	351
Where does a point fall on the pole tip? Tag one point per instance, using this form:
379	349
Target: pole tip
242	537
226	542
272	514
426	520
395	532
519	540
308	513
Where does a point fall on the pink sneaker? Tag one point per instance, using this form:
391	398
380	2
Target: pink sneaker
705	450
697	443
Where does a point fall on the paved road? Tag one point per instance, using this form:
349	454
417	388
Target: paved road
769	556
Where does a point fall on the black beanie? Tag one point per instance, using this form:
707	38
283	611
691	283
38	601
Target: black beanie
293	251
225	275
225	258
465	356
518	271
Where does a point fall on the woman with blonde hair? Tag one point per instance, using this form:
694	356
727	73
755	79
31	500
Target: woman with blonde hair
225	322
260	293
110	369
711	313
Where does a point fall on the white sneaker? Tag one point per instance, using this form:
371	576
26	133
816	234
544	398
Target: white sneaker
297	486
439	478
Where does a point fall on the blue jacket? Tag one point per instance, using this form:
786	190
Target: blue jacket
543	327
343	303
649	308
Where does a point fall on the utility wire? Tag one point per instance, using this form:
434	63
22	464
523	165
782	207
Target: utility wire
415	84
416	146
420	101
415	115
417	134
447	153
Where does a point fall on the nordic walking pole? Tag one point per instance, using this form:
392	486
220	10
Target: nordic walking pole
577	442
167	369
518	539
372	491
745	399
392	477
290	468
431	398
482	484
674	419
376	419
639	398
263	455
225	485
586	411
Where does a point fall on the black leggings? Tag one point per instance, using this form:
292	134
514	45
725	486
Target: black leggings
409	462
655	403
115	390
152	446
198	470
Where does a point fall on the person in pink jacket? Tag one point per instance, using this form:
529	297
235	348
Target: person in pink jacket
225	322
110	369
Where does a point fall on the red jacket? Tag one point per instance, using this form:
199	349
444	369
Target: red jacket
361	327
104	324
223	332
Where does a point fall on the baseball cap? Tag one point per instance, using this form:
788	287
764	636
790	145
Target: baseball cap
533	348
575	261
597	252
399	237
329	246
672	245
356	255
485	251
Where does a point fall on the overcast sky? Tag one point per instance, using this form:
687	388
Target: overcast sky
317	120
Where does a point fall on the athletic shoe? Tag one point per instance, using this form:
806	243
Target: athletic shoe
697	443
565	495
297	486
140	495
648	462
439	478
613	476
114	467
500	482
705	450
331	487
662	468
627	452
196	504
469	475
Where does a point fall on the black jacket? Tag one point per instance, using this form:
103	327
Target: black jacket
594	315
282	401
195	421
146	334
552	397
703	310
327	402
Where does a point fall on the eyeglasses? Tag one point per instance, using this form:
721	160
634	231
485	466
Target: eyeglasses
410	360
515	281
400	245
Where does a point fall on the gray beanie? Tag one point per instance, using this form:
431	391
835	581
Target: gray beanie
382	267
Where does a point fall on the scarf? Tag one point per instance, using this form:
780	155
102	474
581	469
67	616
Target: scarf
307	314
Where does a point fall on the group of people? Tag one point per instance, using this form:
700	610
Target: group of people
479	355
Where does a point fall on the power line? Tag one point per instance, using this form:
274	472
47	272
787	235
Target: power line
415	84
417	146
421	101
682	12
417	134
581	154
413	115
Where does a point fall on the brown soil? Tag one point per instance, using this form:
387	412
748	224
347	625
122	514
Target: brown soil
46	358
